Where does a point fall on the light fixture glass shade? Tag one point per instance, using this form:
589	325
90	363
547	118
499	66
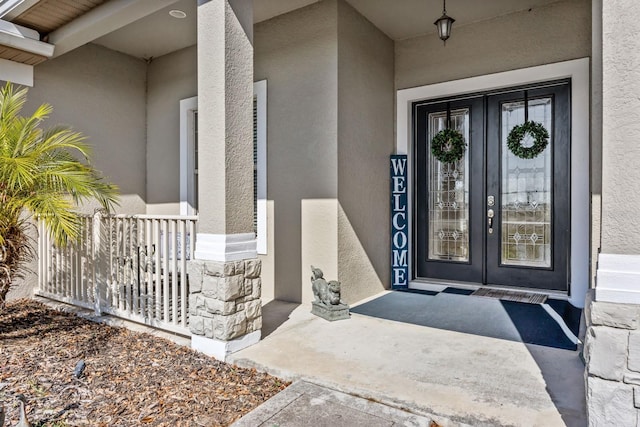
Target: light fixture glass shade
444	24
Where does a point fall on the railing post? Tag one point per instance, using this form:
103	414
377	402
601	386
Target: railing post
95	251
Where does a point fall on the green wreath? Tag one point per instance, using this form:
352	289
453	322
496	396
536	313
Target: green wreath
540	137
448	146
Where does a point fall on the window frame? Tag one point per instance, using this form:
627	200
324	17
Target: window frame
188	199
260	95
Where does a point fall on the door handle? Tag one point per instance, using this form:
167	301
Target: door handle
490	214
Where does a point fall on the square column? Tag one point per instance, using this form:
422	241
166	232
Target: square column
612	309
618	273
224	279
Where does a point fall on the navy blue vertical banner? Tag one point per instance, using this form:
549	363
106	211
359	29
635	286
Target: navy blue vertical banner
399	223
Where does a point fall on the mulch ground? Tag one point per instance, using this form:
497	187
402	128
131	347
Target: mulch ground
130	378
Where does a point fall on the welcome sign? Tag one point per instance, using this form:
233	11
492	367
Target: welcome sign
399	223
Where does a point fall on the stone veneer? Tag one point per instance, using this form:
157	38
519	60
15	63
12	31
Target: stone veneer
612	356
224	298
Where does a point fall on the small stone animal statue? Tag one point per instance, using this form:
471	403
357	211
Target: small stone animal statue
324	293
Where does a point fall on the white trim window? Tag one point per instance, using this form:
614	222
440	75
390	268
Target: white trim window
189	160
189	156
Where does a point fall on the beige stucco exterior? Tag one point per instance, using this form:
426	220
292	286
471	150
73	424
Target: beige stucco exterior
110	112
101	93
332	77
365	141
553	33
296	53
330	134
170	78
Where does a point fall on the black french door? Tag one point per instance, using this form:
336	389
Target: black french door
492	217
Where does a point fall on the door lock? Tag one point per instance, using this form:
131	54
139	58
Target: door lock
490	214
491	201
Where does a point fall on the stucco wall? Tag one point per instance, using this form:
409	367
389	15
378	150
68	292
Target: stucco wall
101	93
552	33
621	129
170	78
365	141
330	133
297	54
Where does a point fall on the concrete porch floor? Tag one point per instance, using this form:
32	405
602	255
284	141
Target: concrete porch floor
465	378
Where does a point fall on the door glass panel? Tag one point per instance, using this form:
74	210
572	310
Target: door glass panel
526	191
448	200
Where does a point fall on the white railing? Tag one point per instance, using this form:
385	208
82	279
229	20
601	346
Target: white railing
134	267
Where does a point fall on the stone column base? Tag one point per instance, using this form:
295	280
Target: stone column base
221	349
225	310
612	358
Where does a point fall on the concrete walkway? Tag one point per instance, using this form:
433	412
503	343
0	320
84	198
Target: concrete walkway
462	378
306	404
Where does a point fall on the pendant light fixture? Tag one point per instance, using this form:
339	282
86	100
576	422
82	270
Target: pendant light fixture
444	23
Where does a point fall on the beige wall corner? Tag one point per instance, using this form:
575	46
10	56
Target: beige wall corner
319	241
296	53
330	133
359	276
101	93
365	141
170	78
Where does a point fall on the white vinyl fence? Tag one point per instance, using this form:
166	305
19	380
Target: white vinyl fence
134	267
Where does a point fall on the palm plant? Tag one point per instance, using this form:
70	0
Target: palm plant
44	173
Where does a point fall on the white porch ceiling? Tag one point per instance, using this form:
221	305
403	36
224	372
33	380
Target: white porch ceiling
402	19
159	34
156	34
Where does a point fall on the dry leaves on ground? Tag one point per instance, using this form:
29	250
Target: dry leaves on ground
130	378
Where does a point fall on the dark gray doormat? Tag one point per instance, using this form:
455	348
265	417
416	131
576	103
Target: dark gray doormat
506	295
508	320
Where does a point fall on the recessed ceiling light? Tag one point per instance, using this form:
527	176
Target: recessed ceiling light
177	14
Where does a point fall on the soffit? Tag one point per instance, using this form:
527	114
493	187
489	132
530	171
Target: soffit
21	56
267	9
156	34
48	15
159	34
